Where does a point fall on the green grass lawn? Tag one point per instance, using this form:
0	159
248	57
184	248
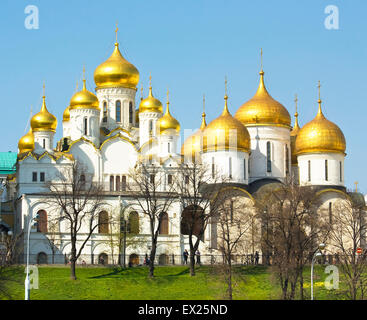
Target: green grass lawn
170	282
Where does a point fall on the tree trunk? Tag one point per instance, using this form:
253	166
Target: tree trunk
72	270
152	257
192	262
229	280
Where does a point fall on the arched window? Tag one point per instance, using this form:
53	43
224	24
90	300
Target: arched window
44	143
330	213
326	171
340	171
169	179
85	126
268	157
42	221
151	127
112	183
163	259
118	111
230	167
118	186
104	119
244	169
213	168
133	226
131	112
123	183
103	222
164	223
309	170
286	159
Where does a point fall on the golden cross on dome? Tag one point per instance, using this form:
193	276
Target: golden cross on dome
356	183
204	103
225	86
296	101
319	86
261	58
167	96
43	88
117	29
84	72
150	79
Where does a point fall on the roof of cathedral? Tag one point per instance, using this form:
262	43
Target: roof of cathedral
7	162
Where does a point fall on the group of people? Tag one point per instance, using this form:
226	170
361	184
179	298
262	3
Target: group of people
186	256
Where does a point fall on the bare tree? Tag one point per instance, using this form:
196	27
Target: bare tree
80	201
234	222
154	197
348	220
198	187
290	227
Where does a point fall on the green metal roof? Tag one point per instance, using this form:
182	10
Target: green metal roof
7	162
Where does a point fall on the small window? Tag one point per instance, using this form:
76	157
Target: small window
268	157
118	183
150	126
86	126
286	159
244	169
230	168
44	143
34	176
131	112
42	177
104	112
42	221
112	183
330	212
103	222
169	179
326	171
123	183
152	178
169	147
118	111
164	223
82	182
309	170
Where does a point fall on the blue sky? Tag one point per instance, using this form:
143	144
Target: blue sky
189	46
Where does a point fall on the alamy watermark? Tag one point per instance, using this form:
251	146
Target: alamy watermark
331	21
32	19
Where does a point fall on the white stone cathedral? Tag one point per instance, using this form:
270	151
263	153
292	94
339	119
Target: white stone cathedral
109	132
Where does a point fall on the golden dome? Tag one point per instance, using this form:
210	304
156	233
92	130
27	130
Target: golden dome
44	120
150	104
294	134
222	133
116	71
84	99
263	110
26	143
193	144
320	135
167	122
66	114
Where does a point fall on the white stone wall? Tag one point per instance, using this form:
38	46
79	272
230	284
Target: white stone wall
317	165
43	140
77	124
279	138
144	125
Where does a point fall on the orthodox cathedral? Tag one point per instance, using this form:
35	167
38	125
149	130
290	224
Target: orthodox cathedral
109	132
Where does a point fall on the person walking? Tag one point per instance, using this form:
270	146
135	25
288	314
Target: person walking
185	256
198	261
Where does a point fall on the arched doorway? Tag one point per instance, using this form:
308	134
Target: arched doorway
103	222
134	259
133	226
103	259
163	259
192	220
42	258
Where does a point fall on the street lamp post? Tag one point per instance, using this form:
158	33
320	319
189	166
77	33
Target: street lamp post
27	282
316	255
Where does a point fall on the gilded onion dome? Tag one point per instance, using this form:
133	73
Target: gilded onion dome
226	133
294	134
26	143
116	71
263	110
84	99
66	114
167	122
150	104
193	144
44	120
320	135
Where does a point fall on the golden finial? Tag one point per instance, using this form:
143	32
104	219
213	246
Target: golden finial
356	184
296	101
150	80
319	101
204	103
167	96
203	115
225	111
43	88
261	59
117	29
84	81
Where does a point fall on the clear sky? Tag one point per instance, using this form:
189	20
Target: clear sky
189	46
